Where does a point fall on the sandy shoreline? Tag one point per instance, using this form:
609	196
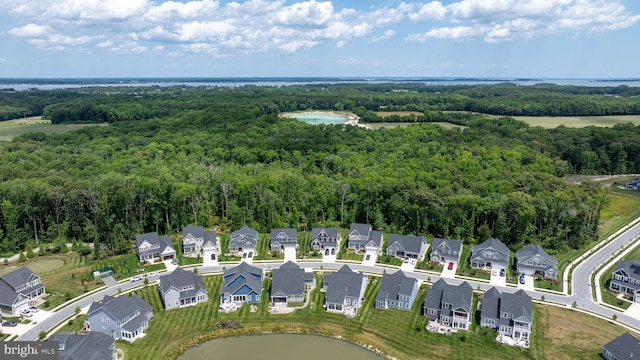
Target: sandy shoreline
351	119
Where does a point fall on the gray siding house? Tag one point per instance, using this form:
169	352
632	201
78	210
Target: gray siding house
92	346
362	237
625	346
242	283
150	246
449	305
193	239
122	317
182	288
492	252
325	240
509	314
445	250
243	240
281	238
345	291
289	283
397	291
17	288
533	260
411	246
626	279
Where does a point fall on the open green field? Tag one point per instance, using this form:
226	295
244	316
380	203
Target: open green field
387	125
384	114
550	122
11	128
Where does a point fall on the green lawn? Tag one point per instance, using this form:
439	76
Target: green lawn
11	128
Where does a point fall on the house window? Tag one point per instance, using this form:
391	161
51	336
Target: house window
108	321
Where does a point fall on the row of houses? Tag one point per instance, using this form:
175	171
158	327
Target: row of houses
488	255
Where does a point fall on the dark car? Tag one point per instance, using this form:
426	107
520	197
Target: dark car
502	272
9	323
521	278
450	267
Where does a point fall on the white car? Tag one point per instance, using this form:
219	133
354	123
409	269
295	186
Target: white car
153	273
26	313
136	278
34	309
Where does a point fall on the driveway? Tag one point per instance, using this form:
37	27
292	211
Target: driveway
329	258
170	265
373	257
496	279
449	274
109	281
289	254
247	256
408	266
633	311
529	283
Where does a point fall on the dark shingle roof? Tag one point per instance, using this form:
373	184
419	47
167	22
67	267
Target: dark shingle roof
195	231
120	307
331	232
490	303
410	243
629	266
210	236
361	229
181	278
532	250
288	280
459	296
284	235
518	304
8	296
92	346
625	346
395	284
376	238
18	277
344	283
247	233
454	245
501	250
153	239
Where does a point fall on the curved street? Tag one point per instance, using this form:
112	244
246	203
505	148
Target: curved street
581	285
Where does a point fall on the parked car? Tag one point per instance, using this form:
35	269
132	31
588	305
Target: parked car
367	257
153	273
136	278
413	261
34	309
502	272
450	267
521	278
9	323
406	259
250	254
26	313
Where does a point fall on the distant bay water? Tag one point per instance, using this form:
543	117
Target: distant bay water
22	84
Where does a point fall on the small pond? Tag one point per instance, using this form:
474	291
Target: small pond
316	118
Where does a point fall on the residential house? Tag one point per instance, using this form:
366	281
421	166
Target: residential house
345	291
449	305
210	249
410	246
397	291
281	238
626	279
193	239
489	254
533	260
624	346
182	288
122	317
445	250
362	237
244	241
325	240
289	283
242	283
633	185
150	247
92	346
17	288
509	314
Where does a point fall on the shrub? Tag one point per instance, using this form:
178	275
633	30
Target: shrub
22	258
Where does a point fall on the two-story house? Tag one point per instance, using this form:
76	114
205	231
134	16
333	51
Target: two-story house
325	240
182	288
533	260
242	283
449	305
509	314
289	283
150	246
490	254
193	239
363	238
397	291
281	238
626	279
624	346
411	246
92	346
445	251
244	242
122	317
17	288
345	291
210	249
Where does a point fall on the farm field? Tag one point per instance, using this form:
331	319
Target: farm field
550	122
12	128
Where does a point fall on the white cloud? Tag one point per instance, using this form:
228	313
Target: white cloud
31	30
452	33
431	11
387	35
59	41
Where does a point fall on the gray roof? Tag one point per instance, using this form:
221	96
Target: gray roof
286	235
120	307
625	346
210	237
376	238
500	249
532	250
518	304
343	283
393	285
195	231
629	266
361	229
153	239
18	277
251	274
447	244
330	232
92	346
410	243
459	296
181	278
247	233
8	296
490	304
288	280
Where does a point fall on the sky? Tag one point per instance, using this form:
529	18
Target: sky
338	38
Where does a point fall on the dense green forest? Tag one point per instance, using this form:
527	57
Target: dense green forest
223	157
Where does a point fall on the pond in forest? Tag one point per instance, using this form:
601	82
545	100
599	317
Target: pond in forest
316	117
